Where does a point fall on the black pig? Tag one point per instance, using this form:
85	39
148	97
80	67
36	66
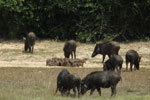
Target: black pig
133	57
113	62
29	42
100	79
59	80
69	49
71	81
106	48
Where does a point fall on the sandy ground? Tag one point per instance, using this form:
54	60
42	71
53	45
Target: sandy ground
11	53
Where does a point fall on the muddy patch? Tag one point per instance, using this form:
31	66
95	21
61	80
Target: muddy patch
65	62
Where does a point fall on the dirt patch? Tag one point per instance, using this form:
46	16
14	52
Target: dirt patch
11	53
65	62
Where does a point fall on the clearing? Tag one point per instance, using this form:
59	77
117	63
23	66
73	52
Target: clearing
11	53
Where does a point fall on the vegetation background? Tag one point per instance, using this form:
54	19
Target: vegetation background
82	20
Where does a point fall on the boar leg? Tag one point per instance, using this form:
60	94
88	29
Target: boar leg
126	66
120	67
68	55
25	48
99	91
113	90
103	58
62	91
29	48
78	88
74	54
92	90
109	55
71	55
74	90
68	92
135	68
117	68
32	49
131	64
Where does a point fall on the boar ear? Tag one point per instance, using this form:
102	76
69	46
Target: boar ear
24	38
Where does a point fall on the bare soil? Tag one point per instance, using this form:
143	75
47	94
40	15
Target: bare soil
65	62
12	55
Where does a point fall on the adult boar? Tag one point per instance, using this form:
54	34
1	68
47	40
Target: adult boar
133	58
71	81
60	79
106	48
69	49
115	61
29	42
100	79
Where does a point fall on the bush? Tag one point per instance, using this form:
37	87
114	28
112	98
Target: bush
82	20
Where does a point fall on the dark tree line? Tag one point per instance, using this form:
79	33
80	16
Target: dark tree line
82	20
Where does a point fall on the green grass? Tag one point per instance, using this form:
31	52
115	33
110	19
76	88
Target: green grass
40	84
145	97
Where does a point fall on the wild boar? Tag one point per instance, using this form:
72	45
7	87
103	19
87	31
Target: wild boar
71	81
69	49
106	48
133	58
60	79
115	61
29	42
100	79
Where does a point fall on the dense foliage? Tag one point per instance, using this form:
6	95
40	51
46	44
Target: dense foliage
83	20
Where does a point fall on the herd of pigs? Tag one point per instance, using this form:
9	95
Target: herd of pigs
97	79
